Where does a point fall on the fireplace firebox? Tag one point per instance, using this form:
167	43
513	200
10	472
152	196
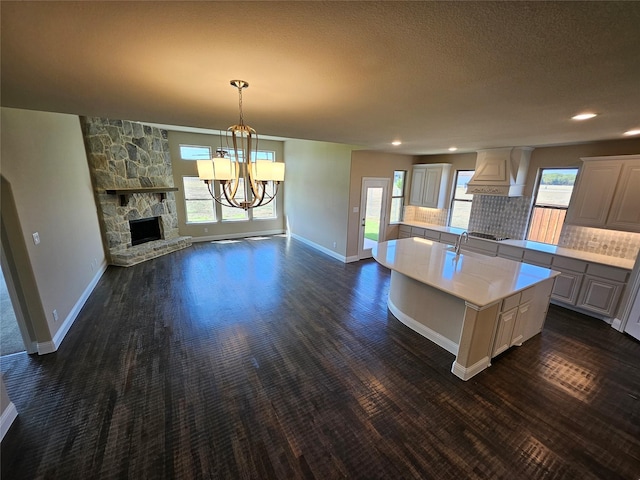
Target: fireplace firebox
145	230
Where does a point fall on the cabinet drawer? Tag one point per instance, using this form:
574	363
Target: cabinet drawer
417	232
449	238
405	229
432	235
610	273
564	263
482	246
511	302
538	258
404	235
513	253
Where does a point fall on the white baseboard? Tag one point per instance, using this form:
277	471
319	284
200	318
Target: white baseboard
212	238
435	337
6	420
353	258
322	249
52	346
465	373
617	324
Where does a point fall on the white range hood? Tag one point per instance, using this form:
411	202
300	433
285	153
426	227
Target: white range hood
501	172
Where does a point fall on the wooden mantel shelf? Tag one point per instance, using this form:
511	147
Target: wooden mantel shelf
125	193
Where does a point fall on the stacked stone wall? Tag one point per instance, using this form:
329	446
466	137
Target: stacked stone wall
125	154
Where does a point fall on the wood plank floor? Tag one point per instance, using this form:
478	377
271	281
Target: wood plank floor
181	368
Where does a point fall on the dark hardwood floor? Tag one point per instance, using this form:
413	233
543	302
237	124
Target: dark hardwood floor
265	359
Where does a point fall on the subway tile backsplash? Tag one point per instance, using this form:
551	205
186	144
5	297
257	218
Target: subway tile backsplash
509	217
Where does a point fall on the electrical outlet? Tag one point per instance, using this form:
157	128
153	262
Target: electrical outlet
593	244
335	244
55	315
36	238
206	230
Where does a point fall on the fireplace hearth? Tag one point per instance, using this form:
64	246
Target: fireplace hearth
145	230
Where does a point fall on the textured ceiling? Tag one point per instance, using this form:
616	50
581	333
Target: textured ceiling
431	74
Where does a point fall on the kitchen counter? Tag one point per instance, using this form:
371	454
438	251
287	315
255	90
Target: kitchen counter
625	263
475	278
472	305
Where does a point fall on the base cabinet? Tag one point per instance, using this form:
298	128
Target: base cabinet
600	296
512	321
567	287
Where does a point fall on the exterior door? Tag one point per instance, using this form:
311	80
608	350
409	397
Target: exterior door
373	214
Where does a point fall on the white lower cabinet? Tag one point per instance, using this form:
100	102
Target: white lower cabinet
567	287
600	295
512	321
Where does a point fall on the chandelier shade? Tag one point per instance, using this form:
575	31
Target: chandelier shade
237	169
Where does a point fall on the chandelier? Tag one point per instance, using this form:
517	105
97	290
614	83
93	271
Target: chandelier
243	178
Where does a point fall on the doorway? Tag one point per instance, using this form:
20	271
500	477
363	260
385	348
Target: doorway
373	214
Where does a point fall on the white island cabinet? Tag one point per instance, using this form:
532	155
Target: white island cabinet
472	305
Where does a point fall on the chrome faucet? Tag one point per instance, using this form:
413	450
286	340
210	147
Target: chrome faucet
459	241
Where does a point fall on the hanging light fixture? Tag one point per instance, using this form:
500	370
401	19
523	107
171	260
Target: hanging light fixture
243	178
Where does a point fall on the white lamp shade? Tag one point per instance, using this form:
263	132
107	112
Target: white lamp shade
266	170
224	169
205	169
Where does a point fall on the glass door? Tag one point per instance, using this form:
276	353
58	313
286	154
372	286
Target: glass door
373	211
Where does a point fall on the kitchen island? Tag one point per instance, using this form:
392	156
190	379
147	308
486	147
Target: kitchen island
472	305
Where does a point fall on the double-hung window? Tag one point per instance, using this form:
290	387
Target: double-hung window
397	195
551	202
461	202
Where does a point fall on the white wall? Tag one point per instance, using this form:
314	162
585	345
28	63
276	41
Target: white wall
44	161
317	193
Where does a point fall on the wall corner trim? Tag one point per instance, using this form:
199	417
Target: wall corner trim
6	420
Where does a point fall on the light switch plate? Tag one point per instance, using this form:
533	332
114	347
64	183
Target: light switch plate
36	238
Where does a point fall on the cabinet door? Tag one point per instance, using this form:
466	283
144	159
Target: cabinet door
521	321
566	287
431	193
592	195
505	331
417	185
625	209
600	296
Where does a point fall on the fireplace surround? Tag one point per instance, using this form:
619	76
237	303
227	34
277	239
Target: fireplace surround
134	158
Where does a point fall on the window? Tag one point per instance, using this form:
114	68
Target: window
397	196
198	202
199	205
461	202
194	152
551	202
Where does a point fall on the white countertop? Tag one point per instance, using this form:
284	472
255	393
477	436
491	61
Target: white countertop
625	263
477	279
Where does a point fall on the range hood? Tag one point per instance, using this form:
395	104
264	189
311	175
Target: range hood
501	172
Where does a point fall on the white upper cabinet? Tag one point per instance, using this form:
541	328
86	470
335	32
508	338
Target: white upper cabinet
429	185
607	194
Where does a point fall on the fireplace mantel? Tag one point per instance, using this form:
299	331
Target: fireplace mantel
125	193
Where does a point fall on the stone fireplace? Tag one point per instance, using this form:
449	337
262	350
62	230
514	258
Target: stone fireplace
131	172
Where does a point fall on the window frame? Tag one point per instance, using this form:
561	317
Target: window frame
401	197
217	207
534	204
453	196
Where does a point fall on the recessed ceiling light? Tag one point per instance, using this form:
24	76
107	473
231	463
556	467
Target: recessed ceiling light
453	149
632	132
583	116
396	143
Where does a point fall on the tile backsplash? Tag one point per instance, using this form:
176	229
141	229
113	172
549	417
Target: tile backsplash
509	217
500	216
604	242
434	216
